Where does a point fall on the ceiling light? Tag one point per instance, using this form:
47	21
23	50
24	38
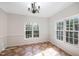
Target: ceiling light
34	8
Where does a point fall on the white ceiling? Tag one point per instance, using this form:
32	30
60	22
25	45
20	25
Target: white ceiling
47	9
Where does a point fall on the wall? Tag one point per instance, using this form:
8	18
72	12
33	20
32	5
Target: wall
3	30
67	12
16	29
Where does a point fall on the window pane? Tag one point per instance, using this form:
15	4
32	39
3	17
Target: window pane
66	39
60	26
67	28
76	27
57	34
28	32
61	37
61	33
71	28
71	40
71	22
76	20
71	25
67	22
67	25
27	36
36	35
28	27
30	35
36	31
36	27
75	34
67	34
58	38
71	34
75	41
57	26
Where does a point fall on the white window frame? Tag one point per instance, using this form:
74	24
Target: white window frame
34	24
70	31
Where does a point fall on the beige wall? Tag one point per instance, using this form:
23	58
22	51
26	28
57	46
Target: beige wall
12	30
16	29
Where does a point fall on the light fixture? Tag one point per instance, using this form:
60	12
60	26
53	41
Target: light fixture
34	8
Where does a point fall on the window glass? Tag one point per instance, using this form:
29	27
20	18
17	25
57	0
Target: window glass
67	34
75	34
57	26
66	39
67	22
36	30
61	33
75	41
28	27
71	34
76	27
61	37
67	25
28	31
76	20
71	22
57	34
71	40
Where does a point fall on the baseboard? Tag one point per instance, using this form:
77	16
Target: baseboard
29	44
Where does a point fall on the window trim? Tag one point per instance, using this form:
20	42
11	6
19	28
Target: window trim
32	25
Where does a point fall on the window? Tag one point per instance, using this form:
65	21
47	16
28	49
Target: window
35	31
60	30
72	27
32	30
71	30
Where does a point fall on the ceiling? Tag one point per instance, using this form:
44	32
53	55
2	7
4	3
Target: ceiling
47	9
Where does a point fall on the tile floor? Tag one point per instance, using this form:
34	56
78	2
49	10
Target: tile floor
39	49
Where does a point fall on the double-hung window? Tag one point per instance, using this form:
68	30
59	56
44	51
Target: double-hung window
60	30
28	31
70	29
32	31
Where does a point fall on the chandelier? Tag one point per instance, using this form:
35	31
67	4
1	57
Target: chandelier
34	8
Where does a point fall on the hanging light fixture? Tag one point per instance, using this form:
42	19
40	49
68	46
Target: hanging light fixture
34	8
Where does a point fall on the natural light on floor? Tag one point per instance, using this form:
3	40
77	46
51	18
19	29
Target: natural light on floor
48	52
